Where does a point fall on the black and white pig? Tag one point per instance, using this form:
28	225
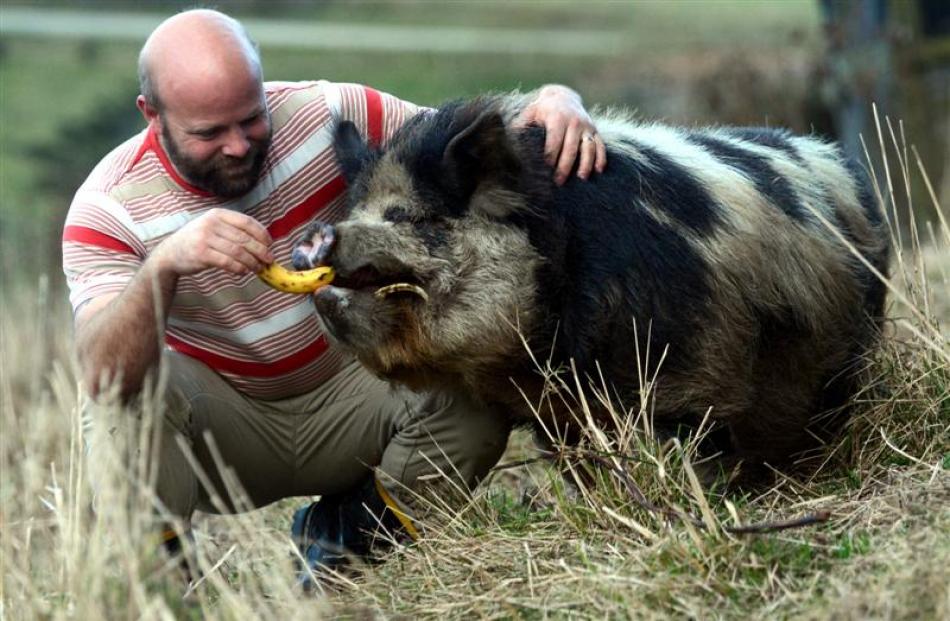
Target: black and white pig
462	264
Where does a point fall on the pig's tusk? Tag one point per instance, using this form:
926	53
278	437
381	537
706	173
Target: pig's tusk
382	292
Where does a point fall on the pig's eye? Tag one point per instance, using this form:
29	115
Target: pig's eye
434	234
397	215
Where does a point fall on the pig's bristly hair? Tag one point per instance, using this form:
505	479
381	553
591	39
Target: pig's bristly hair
708	240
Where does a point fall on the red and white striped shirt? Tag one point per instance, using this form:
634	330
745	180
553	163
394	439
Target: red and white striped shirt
268	344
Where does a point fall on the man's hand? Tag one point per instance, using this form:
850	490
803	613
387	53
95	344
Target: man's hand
221	239
570	132
119	337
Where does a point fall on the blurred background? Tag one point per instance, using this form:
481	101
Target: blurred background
67	75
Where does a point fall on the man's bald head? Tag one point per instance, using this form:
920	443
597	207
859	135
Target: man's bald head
203	95
195	51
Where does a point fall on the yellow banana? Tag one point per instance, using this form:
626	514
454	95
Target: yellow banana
288	281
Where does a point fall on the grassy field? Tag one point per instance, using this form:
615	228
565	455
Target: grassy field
525	545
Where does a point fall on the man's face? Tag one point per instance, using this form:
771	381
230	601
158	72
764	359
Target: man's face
227	176
220	151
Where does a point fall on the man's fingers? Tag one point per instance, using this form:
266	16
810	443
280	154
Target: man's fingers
554	137
229	264
252	245
569	148
593	155
245	223
256	230
259	251
588	155
241	237
601	162
239	259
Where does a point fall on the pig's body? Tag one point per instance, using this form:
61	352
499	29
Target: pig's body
703	247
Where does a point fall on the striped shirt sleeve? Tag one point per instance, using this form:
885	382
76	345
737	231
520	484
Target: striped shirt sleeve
376	114
101	253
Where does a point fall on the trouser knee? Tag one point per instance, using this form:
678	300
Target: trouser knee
144	442
450	434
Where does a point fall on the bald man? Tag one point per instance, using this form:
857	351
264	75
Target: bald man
160	248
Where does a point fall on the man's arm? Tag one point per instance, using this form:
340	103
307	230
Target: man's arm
571	135
118	337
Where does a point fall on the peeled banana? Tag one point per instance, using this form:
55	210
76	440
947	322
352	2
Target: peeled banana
288	281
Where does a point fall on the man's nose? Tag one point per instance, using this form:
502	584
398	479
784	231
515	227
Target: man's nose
236	143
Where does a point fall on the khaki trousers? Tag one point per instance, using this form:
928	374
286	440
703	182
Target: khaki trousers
323	442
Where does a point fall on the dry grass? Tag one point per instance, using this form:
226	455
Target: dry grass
526	545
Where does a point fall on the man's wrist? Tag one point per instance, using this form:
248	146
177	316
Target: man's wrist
158	266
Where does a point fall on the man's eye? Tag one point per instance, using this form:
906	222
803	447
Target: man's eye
206	134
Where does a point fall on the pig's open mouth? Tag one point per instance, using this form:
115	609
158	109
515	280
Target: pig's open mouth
395	279
383	284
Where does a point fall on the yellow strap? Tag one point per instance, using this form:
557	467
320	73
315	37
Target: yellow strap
168	534
404	519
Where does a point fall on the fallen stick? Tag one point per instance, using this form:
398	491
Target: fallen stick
641	499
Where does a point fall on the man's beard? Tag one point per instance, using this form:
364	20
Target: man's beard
222	175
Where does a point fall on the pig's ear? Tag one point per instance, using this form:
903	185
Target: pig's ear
481	152
351	150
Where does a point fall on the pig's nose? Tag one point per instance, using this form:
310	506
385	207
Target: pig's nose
301	256
315	247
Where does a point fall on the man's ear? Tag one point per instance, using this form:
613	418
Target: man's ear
480	152
351	150
150	113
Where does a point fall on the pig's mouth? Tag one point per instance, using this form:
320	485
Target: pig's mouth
383	284
395	280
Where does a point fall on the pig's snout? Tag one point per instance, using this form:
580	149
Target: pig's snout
315	247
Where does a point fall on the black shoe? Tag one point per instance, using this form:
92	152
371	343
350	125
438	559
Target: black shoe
352	525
